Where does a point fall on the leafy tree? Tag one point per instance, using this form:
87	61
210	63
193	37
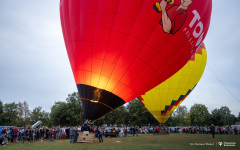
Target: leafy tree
226	114
20	116
217	118
37	114
26	112
23	117
74	109
232	119
139	115
118	116
69	112
182	116
58	115
171	120
199	115
223	116
10	113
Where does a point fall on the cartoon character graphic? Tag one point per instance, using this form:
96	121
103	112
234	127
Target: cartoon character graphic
173	18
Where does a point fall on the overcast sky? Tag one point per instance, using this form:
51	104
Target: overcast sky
34	65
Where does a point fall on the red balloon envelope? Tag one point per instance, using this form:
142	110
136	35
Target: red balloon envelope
119	49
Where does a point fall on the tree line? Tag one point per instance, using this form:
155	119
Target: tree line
70	113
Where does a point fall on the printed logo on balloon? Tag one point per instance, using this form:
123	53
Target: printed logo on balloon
174	17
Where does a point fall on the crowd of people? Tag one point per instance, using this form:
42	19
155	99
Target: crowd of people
205	130
30	134
188	130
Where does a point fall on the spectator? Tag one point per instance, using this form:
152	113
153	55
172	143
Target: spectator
157	131
237	128
125	132
212	129
136	128
33	135
154	130
12	134
37	135
67	133
41	133
47	133
75	135
8	135
121	132
44	133
99	135
71	134
15	134
52	134
58	132
133	131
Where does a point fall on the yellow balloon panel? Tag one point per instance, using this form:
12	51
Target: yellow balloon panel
163	99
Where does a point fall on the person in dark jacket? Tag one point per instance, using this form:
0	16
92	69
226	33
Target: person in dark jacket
212	129
71	134
134	131
75	135
99	135
12	134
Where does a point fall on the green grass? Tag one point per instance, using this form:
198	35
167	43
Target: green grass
144	142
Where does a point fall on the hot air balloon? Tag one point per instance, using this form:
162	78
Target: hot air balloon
120	49
163	99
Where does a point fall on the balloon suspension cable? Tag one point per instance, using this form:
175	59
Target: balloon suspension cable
223	84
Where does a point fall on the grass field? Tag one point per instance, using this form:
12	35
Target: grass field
142	142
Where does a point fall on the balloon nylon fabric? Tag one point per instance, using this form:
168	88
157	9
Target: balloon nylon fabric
120	47
162	100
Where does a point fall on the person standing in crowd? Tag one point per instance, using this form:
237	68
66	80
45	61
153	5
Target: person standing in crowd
237	128
121	132
15	134
58	132
75	135
30	133
64	133
99	135
71	134
8	135
125	132
136	129
41	133
44	133
79	128
33	135
133	131
67	132
212	128
157	130
11	134
52	134
37	134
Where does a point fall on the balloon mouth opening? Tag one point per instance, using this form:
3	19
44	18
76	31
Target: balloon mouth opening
97	102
